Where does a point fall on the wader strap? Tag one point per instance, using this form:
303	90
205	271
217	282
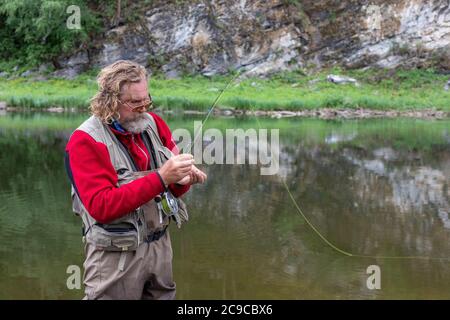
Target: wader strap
122	259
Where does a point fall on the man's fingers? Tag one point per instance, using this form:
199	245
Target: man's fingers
184	180
184	171
183	157
192	178
184	163
200	176
190	161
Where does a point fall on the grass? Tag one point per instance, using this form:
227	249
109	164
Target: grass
42	121
380	90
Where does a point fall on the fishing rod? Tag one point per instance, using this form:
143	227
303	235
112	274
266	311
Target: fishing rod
166	202
211	109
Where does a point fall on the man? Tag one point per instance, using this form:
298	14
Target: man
123	164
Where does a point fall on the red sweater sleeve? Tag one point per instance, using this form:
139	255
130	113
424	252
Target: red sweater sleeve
96	181
167	139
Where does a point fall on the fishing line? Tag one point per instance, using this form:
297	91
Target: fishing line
300	211
336	248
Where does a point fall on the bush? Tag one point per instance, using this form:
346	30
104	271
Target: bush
35	31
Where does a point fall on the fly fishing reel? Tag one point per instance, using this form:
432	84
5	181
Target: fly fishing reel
168	205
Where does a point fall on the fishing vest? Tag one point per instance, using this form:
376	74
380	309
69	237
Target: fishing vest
134	228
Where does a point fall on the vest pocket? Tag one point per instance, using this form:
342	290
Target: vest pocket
120	237
124	175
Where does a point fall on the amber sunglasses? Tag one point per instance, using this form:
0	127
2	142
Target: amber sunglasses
136	105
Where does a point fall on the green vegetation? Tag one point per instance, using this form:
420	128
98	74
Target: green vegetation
381	90
32	32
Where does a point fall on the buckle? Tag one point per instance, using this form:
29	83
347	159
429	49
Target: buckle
154	236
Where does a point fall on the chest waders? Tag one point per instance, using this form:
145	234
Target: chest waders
148	222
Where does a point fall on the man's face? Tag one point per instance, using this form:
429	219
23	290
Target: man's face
132	95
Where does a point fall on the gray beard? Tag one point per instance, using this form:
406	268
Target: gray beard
138	124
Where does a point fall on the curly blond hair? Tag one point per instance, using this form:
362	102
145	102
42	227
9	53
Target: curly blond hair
105	104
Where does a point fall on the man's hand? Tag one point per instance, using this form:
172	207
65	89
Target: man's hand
176	168
195	176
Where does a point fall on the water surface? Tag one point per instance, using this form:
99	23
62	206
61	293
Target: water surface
372	187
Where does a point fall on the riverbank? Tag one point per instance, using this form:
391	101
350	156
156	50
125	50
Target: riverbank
404	133
369	93
324	113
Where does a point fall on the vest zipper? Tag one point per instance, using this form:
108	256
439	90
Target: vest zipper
148	164
146	157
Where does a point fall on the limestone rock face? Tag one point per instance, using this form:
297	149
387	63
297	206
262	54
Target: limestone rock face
262	37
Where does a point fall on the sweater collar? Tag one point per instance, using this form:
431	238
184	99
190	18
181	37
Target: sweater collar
116	125
117	128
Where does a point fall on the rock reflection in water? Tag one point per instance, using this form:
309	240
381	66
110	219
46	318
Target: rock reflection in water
369	188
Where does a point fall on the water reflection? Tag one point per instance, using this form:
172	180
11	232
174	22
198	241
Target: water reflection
370	187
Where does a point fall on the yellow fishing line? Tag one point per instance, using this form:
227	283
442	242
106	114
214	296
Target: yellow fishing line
341	251
299	210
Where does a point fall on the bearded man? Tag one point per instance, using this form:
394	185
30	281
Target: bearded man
126	177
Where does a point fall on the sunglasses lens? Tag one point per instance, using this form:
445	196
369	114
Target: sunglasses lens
146	105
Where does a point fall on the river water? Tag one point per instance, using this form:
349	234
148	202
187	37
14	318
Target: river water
370	187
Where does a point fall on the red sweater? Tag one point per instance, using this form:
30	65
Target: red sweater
95	178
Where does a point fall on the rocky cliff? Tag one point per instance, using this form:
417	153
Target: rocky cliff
261	37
